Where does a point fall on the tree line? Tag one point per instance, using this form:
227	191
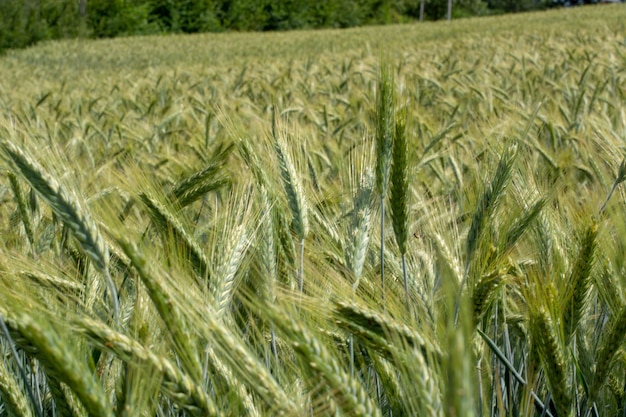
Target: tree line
26	22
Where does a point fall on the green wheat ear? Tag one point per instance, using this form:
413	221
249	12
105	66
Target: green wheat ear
57	353
12	395
385	124
294	190
578	286
67	207
550	352
355	247
399	198
608	350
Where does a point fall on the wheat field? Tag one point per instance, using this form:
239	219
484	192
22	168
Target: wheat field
412	220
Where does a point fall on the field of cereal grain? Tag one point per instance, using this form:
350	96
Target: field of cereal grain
409	220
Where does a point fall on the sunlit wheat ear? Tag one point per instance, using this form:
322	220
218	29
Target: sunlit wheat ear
69	211
233	383
294	190
176	384
385	123
577	291
245	365
348	392
355	247
413	382
483	291
545	340
267	250
365	321
229	251
65	401
490	200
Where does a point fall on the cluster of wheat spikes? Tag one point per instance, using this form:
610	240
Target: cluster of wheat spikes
293	226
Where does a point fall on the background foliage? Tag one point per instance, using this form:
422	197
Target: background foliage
25	22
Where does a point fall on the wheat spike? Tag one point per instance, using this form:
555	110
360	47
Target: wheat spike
349	395
57	355
577	290
607	352
176	384
21	205
551	356
196	185
385	121
167	223
69	211
168	309
13	397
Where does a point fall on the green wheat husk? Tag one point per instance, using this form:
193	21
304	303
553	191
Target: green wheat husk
385	122
67	208
490	200
194	186
550	352
294	190
21	205
577	291
168	224
355	247
56	353
483	292
227	266
348	393
379	328
13	397
176	384
399	195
